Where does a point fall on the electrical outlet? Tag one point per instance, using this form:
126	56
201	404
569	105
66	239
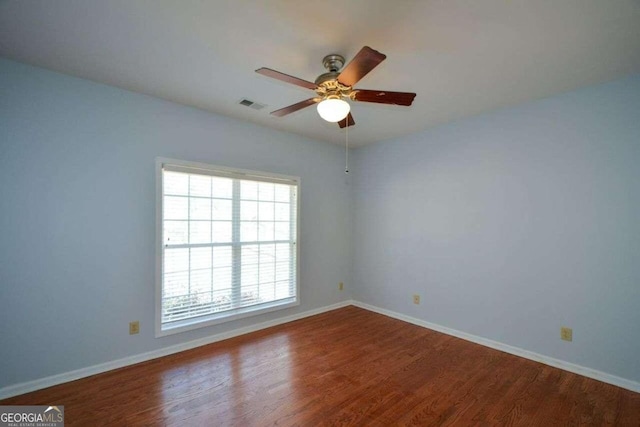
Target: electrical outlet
416	299
134	327
341	286
566	334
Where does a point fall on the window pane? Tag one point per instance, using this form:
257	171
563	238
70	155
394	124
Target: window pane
282	271
265	191
201	281
175	284
249	211
282	211
178	307
175	183
265	231
282	231
282	193
283	290
265	211
221	300
199	232
221	256
176	260
176	232
267	291
199	208
248	231
249	274
176	207
267	253
200	185
222	278
221	231
248	190
200	258
283	252
267	272
249	295
222	209
222	187
250	254
204	298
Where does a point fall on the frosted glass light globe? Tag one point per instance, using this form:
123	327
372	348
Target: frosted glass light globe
333	110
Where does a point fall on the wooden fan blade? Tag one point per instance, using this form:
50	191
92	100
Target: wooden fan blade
343	123
366	60
384	97
293	108
285	78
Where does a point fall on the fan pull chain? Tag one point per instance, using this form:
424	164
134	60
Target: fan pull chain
346	149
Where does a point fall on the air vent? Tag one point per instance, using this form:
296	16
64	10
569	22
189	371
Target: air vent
251	104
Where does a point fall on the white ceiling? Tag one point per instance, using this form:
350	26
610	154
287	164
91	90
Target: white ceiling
462	57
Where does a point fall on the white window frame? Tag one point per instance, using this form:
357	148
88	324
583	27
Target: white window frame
195	323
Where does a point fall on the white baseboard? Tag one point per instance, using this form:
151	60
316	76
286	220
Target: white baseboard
556	363
26	387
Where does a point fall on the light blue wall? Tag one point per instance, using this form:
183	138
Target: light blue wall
77	215
509	225
513	224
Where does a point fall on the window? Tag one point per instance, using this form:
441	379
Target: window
226	244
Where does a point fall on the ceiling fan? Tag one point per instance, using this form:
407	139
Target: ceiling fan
334	86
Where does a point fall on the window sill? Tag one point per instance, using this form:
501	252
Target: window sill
216	319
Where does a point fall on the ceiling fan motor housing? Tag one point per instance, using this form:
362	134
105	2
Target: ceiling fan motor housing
328	84
333	63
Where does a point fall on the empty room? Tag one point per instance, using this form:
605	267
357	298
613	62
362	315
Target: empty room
357	212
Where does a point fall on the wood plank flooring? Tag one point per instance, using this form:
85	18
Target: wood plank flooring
345	367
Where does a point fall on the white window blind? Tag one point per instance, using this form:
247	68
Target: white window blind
228	243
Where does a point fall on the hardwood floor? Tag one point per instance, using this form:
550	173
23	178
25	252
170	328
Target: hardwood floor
344	367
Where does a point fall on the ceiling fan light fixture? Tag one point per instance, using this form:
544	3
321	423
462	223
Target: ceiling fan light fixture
333	109
336	85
